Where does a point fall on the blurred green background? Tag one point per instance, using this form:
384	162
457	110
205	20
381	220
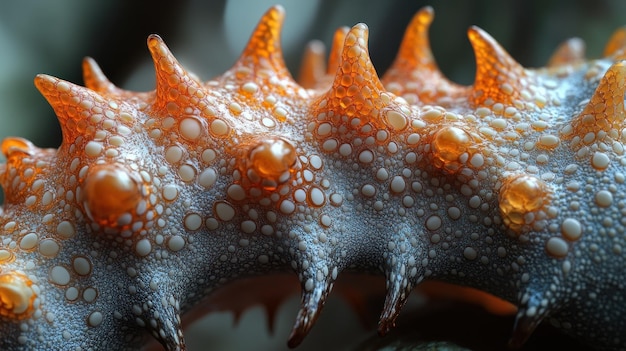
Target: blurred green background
52	37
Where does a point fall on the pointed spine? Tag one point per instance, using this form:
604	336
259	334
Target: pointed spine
75	106
96	80
528	318
176	89
399	287
264	50
313	68
414	72
498	75
314	72
314	295
415	49
605	110
356	91
334	58
616	46
572	51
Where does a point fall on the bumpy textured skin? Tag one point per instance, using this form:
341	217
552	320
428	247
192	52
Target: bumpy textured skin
514	185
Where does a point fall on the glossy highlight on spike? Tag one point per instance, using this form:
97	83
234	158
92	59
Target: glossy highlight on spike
157	205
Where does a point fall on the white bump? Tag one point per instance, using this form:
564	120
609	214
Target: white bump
604	198
187	173
29	241
49	247
571	229
317	196
224	211
557	247
82	266
66	229
93	148
470	253
190	128
397	184
170	192
600	160
287	207
176	243
193	221
59	275
143	247
90	294
207	178
366	156
433	222
95	319
236	192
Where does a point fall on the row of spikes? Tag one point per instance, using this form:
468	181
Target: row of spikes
176	89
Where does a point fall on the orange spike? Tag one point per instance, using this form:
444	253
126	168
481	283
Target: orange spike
498	75
95	79
313	68
76	107
356	90
605	110
617	43
415	48
176	89
263	50
570	52
414	71
334	59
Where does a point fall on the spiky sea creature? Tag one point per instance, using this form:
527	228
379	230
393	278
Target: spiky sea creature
514	185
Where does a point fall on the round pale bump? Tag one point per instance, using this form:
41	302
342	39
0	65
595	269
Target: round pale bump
81	265
449	145
571	229
110	194
17	297
316	197
59	275
224	211
219	128
396	120
193	221
521	195
49	248
600	161
143	247
176	243
29	241
95	319
557	247
604	198
272	161
6	256
190	128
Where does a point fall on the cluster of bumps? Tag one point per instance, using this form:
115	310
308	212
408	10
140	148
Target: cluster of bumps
514	186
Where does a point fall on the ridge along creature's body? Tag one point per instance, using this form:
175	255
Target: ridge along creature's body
514	185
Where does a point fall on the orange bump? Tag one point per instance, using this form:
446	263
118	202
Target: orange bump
521	195
448	147
111	195
271	161
17	297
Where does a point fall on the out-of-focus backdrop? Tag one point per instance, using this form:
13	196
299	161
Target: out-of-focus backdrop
52	37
